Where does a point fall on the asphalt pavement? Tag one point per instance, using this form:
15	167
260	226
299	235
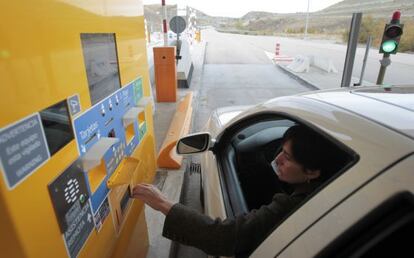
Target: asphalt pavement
399	72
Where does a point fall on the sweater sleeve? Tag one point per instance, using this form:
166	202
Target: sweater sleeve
232	236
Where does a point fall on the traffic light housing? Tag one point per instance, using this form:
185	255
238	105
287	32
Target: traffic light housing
392	34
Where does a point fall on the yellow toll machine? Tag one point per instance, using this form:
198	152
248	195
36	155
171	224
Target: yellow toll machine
76	128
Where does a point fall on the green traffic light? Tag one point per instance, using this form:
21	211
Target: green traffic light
389	46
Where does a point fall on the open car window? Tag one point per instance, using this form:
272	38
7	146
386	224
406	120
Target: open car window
245	152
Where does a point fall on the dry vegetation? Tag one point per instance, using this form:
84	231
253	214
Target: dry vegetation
375	28
332	22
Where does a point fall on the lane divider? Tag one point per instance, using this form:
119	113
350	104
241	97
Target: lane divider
179	127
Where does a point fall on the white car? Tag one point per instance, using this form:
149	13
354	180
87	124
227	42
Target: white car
366	208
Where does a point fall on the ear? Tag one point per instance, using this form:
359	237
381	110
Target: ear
313	173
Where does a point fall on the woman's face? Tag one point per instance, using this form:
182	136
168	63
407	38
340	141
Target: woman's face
288	170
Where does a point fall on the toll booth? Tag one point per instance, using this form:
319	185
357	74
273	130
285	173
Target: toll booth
76	128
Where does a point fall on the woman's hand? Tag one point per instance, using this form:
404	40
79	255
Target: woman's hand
150	195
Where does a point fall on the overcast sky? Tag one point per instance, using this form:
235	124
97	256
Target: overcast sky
238	8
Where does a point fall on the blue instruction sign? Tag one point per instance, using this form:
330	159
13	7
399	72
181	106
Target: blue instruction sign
23	149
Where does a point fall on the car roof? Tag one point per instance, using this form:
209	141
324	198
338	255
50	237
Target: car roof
392	107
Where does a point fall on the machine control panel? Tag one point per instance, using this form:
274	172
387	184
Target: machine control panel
106	136
106	133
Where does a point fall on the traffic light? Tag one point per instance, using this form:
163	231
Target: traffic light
392	35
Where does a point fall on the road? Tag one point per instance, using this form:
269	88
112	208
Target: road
238	73
243	46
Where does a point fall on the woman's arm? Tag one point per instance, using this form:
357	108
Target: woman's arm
239	235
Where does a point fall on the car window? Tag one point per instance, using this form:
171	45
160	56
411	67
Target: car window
245	154
385	232
255	148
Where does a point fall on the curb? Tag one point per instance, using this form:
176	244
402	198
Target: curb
297	77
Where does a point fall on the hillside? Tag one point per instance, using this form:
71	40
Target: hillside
375	8
333	21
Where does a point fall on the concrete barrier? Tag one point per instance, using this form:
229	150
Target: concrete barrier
300	64
180	126
323	63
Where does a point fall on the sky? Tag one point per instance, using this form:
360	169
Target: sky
238	8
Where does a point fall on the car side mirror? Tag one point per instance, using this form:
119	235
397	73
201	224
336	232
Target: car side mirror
194	143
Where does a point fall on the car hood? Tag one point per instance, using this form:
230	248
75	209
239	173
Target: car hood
226	114
221	117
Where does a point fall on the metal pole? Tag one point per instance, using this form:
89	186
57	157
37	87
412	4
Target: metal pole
364	63
178	57
386	61
351	49
164	23
307	21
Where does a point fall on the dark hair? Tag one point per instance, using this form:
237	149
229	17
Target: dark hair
312	150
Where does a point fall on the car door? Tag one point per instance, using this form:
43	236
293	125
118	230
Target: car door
341	231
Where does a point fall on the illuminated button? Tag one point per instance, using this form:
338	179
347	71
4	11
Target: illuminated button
102	110
82	198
